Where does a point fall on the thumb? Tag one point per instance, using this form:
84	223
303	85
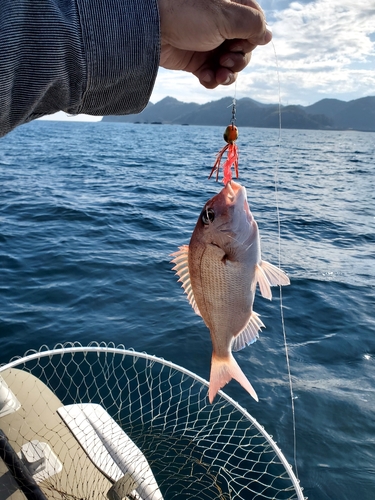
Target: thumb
244	19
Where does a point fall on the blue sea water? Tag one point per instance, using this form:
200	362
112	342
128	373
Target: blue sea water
90	212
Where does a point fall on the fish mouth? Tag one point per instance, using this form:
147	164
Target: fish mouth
235	192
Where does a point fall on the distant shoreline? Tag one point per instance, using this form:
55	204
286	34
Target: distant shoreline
327	114
244	126
83	122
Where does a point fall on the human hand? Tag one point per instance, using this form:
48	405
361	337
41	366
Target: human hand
213	39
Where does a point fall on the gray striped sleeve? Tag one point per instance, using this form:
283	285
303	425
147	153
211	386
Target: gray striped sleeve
97	57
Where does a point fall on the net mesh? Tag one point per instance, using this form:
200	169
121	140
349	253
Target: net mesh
195	450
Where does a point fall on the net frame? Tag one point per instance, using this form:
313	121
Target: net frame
210	447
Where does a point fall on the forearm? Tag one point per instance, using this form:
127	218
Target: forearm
97	57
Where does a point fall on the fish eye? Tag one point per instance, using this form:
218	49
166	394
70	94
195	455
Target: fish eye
208	215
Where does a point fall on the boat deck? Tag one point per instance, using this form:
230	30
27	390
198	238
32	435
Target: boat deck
37	419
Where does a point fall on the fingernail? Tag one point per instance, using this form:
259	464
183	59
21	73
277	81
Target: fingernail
207	78
237	48
228	80
228	63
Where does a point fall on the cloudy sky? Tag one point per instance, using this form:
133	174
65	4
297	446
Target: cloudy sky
324	48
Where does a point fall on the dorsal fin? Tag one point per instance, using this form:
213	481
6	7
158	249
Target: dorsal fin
249	334
182	270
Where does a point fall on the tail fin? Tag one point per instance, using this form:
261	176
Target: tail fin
222	371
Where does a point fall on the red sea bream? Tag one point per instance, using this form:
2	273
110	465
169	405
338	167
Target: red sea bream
219	271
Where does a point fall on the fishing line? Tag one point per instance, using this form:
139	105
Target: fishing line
227	177
234	104
276	181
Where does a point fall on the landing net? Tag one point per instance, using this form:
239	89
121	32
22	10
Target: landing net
195	450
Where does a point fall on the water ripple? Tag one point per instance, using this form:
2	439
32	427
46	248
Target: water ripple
91	212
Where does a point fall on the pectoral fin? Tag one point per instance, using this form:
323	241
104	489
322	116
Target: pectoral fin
268	275
249	334
182	270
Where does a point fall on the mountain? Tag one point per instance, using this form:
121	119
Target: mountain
167	110
358	114
327	107
248	113
296	117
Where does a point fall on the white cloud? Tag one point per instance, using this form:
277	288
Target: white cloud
333	32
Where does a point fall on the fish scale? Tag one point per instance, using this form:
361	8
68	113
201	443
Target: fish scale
226	303
219	271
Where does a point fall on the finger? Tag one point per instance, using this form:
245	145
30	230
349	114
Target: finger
211	79
235	61
224	76
206	77
222	68
245	20
238	45
250	3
